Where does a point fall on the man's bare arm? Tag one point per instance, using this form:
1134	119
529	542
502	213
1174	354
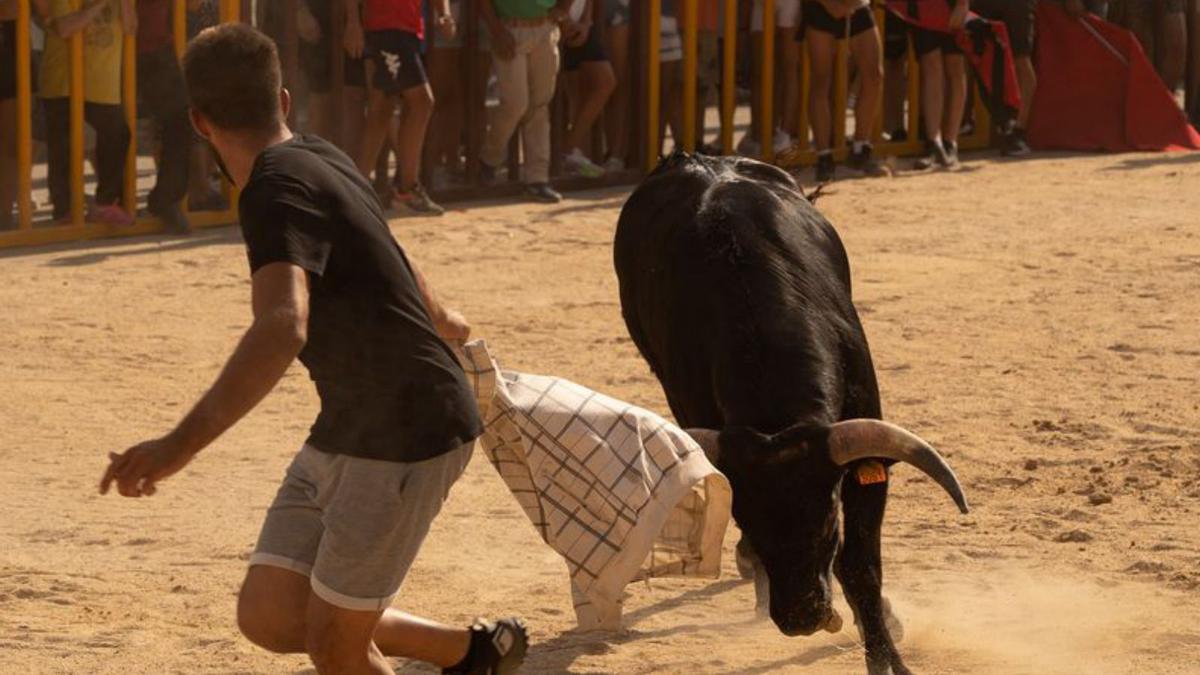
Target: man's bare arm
450	325
279	331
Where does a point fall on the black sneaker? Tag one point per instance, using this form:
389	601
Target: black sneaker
935	157
173	218
1014	144
416	202
542	192
497	648
865	162
825	167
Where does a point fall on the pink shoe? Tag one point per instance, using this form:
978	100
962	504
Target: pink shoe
111	214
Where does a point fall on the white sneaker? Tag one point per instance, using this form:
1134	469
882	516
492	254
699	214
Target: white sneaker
782	141
579	165
748	147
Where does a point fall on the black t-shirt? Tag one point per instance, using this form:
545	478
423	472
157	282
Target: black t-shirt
390	388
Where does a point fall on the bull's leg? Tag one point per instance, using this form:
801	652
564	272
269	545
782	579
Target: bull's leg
751	567
859	568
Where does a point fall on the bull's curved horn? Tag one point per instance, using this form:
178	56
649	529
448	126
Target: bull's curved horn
709	441
867	438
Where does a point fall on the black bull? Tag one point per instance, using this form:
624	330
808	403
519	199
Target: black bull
737	292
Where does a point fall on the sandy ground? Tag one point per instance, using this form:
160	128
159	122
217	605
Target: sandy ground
1036	320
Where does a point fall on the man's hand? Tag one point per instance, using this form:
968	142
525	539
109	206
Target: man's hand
453	328
504	44
958	16
307	26
446	27
575	33
138	469
353	39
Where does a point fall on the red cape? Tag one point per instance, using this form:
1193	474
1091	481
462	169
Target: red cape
1098	91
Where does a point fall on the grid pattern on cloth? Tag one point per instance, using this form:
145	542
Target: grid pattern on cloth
617	491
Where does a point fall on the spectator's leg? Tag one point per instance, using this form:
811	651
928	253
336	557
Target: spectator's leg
58	154
542	73
512	82
8	161
353	118
933	94
672	104
1027	79
707	68
1172	44
112	144
414	122
380	109
956	96
159	75
822	50
787	80
596	83
868	57
616	115
446	127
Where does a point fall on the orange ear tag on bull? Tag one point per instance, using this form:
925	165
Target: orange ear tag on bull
871	472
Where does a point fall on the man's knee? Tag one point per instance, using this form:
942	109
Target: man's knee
270	609
338	640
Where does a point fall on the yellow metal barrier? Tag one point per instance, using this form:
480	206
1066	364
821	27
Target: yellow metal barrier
800	154
30	233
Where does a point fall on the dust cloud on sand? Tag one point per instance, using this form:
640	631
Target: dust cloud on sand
1035	320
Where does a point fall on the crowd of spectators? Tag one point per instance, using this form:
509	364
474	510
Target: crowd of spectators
403	87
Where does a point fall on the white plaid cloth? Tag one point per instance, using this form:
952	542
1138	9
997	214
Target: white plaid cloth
616	490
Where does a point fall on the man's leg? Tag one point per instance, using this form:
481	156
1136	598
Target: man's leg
616	122
933	94
160	78
513	84
1172	43
787	80
380	108
1027	79
58	154
112	144
868	57
597	82
956	95
822	49
414	122
535	130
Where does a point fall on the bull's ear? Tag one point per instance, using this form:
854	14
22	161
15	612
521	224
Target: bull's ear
779	448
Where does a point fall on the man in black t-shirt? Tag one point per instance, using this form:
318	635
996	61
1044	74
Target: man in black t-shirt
398	419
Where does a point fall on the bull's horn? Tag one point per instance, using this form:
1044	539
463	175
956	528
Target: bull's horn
709	441
867	438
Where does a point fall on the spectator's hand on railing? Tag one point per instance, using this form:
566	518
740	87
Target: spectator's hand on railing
307	27
504	44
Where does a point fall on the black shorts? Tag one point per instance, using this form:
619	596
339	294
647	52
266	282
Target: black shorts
815	16
589	51
1018	17
926	41
397	58
8	60
316	62
895	37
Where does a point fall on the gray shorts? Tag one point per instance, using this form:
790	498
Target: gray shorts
354	525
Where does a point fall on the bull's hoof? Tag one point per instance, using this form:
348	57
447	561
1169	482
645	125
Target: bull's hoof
894	625
746	559
892	666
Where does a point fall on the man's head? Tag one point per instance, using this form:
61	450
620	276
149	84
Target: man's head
234	83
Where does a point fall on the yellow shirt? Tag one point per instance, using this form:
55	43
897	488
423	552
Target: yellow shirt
102	42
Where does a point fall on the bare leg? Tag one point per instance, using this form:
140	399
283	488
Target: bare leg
822	49
1027	79
616	122
276	611
787	78
8	161
446	126
672	103
1172	49
868	57
596	83
956	96
380	108
353	119
933	94
414	121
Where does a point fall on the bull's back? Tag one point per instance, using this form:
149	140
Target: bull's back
736	291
